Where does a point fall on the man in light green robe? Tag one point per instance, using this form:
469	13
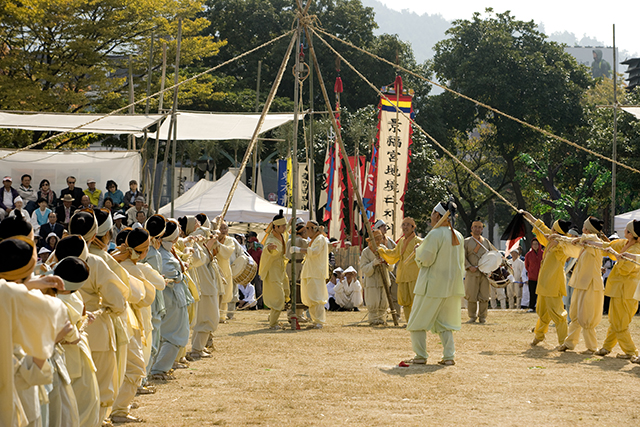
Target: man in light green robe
438	290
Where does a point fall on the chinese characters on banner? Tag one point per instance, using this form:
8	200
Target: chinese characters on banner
302	201
394	138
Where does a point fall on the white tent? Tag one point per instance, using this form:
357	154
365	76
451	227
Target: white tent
63	122
623	219
209	197
220	126
633	110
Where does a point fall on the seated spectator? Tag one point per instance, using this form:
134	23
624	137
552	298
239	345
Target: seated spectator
18	203
141	217
118	226
40	216
115	195
65	211
52	241
131	195
75	192
349	291
247	296
51	226
45	192
28	193
43	255
6	201
85	202
108	204
95	196
336	277
132	212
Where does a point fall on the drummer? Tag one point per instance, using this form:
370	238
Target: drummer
477	287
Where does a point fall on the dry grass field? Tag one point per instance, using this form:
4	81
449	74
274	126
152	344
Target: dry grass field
346	375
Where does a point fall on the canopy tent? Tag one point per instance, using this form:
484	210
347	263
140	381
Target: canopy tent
134	124
120	166
209	197
623	219
221	126
633	110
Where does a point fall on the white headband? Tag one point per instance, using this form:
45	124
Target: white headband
106	226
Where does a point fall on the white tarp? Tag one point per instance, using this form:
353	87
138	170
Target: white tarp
220	126
120	166
623	219
209	197
64	122
633	110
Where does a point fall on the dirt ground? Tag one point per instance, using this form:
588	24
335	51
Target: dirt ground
348	374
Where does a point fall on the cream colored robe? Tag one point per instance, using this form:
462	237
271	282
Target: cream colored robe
225	250
32	321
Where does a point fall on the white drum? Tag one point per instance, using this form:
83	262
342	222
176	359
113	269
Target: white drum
243	269
489	262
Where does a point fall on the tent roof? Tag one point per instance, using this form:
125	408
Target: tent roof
221	126
209	197
622	220
633	110
64	122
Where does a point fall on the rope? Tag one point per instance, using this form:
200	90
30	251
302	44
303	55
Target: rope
150	96
473	174
522	122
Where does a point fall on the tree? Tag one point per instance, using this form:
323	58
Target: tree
509	65
62	56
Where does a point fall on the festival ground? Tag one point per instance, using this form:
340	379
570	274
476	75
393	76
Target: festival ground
348	375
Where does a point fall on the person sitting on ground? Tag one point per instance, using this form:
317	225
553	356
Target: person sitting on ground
95	196
40	216
65	211
336	277
75	192
115	195
18	207
131	195
45	192
8	195
52	241
85	202
141	217
51	226
132	212
28	194
118	226
247	297
349	291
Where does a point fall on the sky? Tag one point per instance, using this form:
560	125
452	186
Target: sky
595	19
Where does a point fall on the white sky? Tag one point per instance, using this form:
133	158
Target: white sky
595	19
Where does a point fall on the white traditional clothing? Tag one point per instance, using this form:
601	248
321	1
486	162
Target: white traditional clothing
313	278
349	295
438	291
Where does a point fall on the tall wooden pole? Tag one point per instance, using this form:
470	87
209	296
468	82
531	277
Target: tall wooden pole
174	116
312	173
294	167
615	133
153	205
374	246
254	180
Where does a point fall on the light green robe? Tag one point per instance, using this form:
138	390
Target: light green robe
439	286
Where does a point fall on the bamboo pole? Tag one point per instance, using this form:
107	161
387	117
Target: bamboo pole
174	111
374	246
155	156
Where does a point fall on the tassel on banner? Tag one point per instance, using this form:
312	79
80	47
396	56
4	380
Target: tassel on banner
398	84
337	87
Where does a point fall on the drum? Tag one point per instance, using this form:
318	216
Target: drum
499	278
243	269
489	262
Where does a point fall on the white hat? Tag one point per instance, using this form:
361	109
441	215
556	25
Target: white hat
91	180
379	223
350	269
18	199
52	234
338	270
118	215
43	250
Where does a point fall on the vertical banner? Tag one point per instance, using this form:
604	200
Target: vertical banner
289	182
354	211
282	182
324	182
336	219
394	139
369	184
302	190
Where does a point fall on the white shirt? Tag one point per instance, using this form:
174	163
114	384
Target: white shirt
249	292
7	198
348	295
